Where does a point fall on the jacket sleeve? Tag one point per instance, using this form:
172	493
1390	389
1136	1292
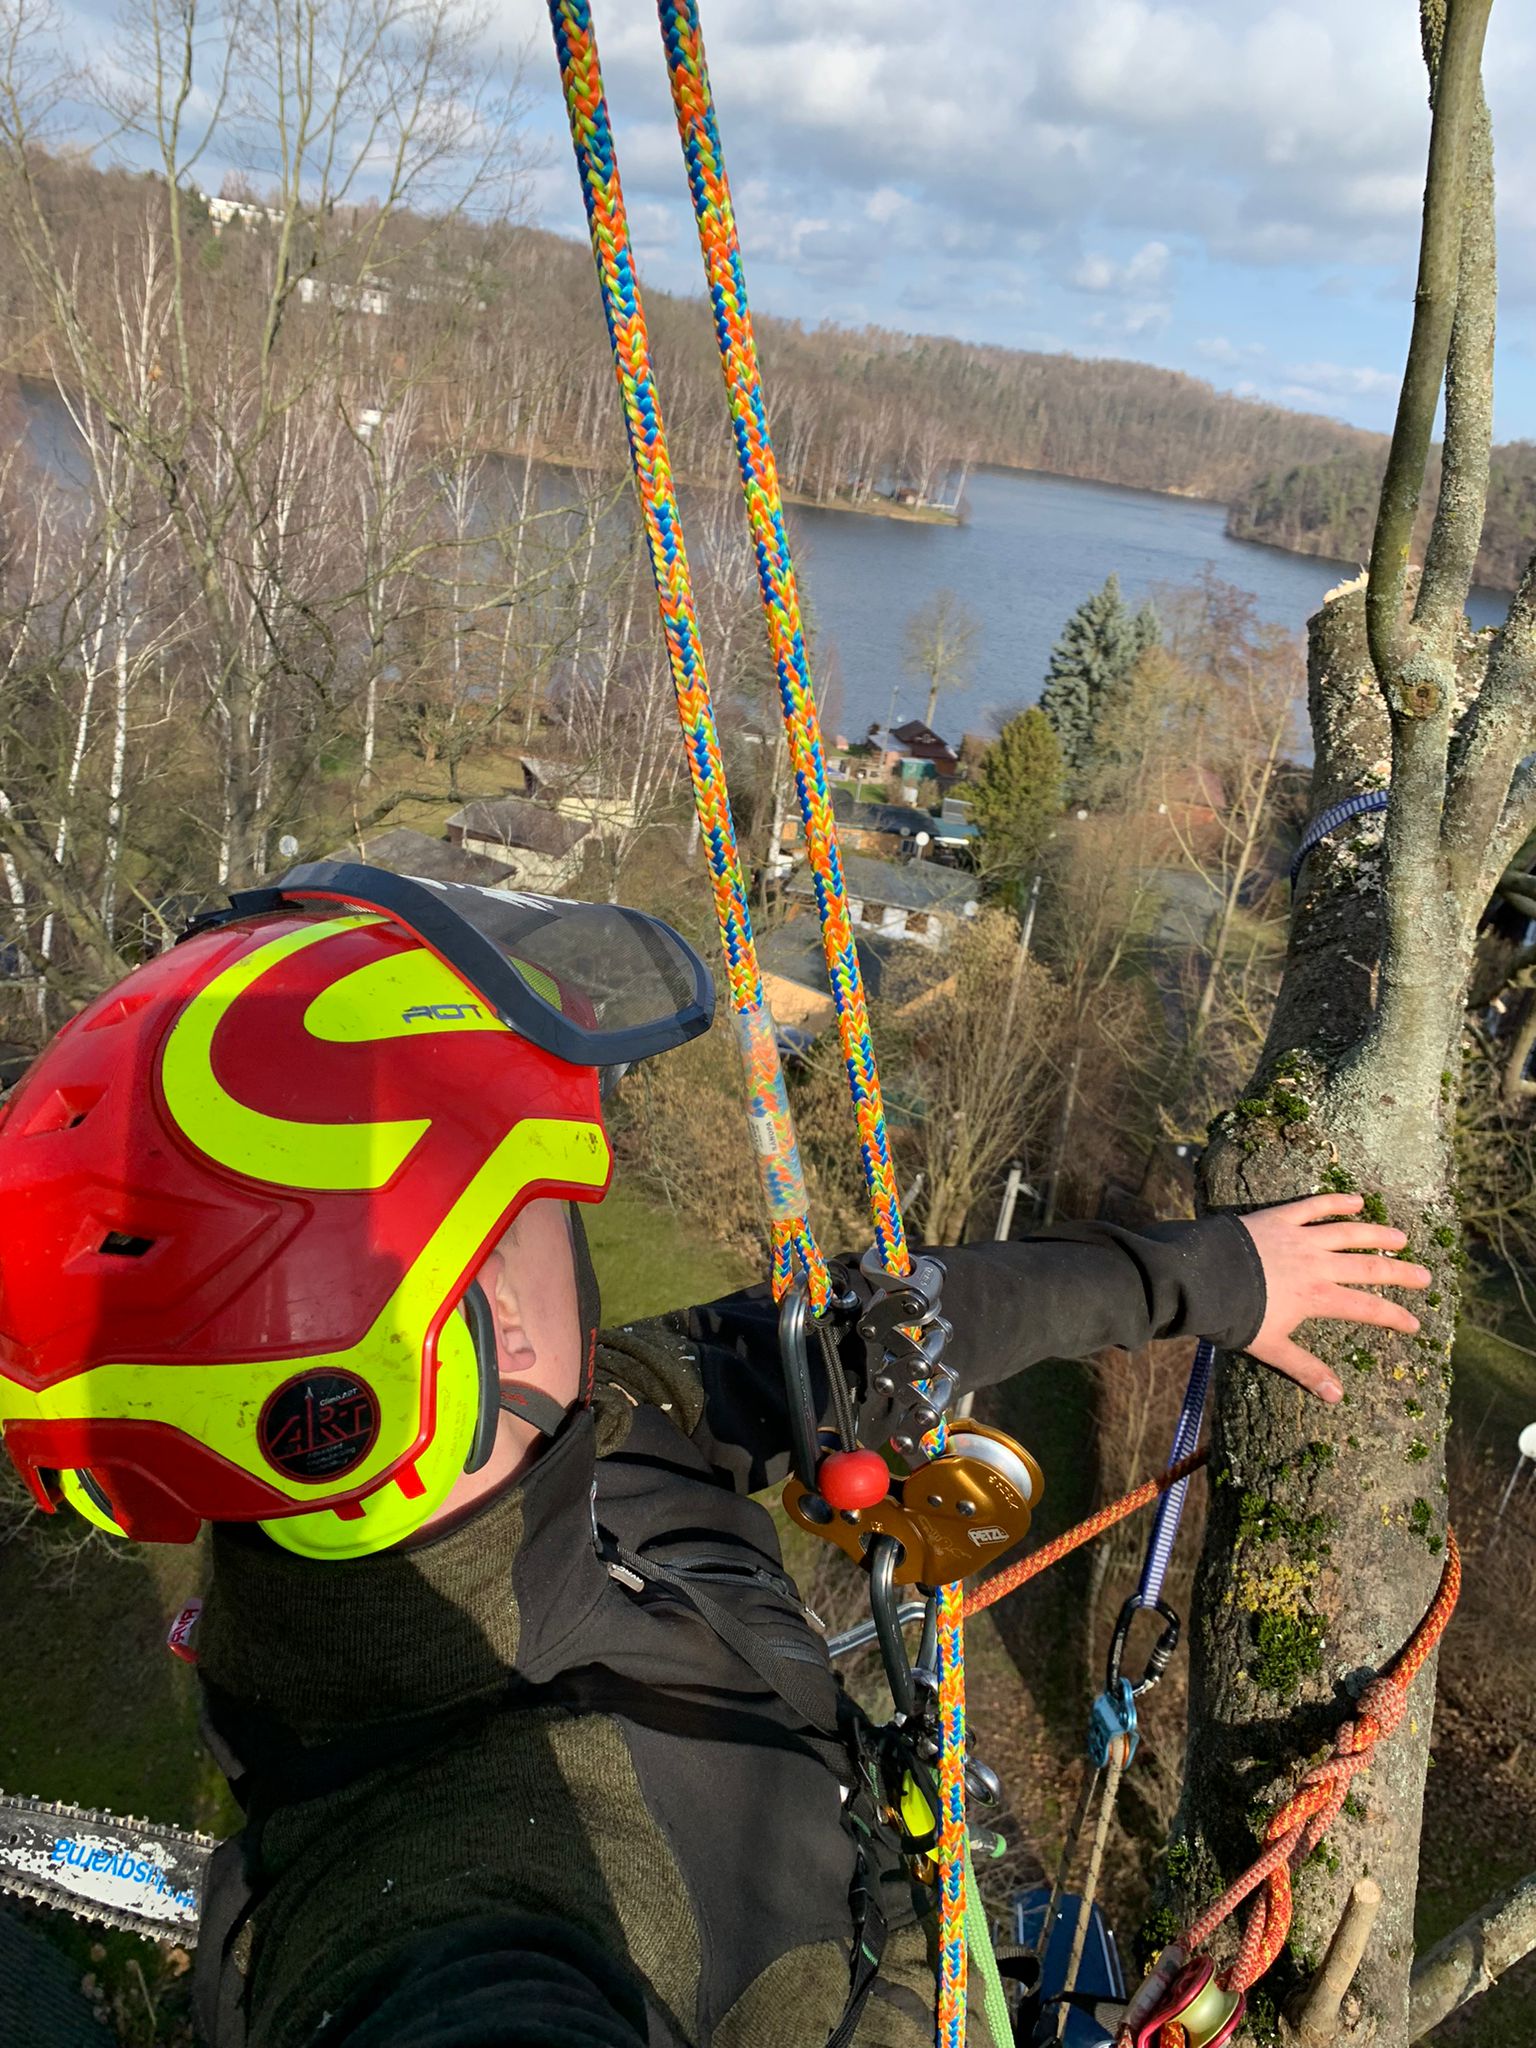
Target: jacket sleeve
1062	1294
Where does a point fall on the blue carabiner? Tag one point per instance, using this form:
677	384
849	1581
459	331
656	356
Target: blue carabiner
1113	1717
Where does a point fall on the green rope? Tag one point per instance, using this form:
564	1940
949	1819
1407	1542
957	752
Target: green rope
978	1939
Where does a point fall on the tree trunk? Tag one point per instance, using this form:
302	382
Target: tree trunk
1327	1525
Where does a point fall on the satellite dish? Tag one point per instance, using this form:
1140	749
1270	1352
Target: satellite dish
288	846
1528	1441
920	838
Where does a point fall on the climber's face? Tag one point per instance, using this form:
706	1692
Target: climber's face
529	1279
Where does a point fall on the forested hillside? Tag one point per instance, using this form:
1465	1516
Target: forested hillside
856	411
1329	508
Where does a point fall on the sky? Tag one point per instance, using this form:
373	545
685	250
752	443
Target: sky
1226	187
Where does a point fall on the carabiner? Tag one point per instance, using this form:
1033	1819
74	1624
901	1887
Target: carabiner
798	1391
1113	1719
884	1555
1162	1649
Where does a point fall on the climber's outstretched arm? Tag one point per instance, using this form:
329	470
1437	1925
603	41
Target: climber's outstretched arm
1244	1282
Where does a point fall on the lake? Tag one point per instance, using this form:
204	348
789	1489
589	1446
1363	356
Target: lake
1031	550
1032	547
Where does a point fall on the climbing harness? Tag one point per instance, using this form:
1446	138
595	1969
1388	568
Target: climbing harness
1338	814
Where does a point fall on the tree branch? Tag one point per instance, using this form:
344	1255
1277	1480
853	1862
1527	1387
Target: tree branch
1317	2023
1472	1958
1456	96
1451	557
1491	804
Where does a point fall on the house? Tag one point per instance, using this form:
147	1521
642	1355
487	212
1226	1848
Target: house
955	832
542	847
914	751
575	789
917	899
922	743
1194	803
404	851
794	971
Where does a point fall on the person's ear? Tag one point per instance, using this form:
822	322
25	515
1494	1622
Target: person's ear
499	1280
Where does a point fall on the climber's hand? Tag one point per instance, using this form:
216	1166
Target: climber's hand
1315	1265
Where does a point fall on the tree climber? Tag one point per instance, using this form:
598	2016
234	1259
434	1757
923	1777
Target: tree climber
535	1739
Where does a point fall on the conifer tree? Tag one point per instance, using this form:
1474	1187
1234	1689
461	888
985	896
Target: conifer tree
1018	794
1090	664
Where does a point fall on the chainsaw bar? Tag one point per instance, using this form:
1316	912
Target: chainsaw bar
120	1872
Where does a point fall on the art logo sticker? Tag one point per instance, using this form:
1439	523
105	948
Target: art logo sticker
319	1425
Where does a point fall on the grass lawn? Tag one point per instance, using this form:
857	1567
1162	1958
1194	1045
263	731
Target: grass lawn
1481	1795
648	1260
1494	1395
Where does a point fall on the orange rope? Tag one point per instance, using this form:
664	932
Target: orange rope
1015	1575
1300	1822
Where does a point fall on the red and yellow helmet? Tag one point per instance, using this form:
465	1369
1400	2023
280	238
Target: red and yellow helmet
243	1192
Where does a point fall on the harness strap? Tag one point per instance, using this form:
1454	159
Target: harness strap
869	1932
785	1670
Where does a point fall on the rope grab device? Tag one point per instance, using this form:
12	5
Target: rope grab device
970	1491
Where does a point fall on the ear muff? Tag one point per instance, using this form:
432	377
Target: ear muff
390	1515
86	1496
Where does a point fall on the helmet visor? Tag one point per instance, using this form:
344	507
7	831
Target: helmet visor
595	984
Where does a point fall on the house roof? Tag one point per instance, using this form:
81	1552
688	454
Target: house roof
793	953
405	851
912	884
518	822
913	733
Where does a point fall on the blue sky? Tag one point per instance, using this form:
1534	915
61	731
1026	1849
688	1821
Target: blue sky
1227	189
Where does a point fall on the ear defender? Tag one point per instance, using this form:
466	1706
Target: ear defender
393	1513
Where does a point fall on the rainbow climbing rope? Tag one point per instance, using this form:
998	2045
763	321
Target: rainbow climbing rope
768	1104
592	137
693	103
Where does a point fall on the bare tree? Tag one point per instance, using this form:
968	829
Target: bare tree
941	638
1357	1088
251	366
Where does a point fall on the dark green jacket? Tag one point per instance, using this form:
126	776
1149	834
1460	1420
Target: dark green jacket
498	1795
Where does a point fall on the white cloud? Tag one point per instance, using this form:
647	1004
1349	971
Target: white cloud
1093	138
1135	319
1144	271
884	204
1341	380
1219	349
